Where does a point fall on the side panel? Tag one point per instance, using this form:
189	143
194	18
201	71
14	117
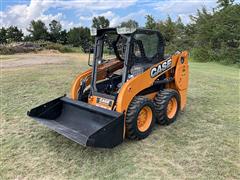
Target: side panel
181	78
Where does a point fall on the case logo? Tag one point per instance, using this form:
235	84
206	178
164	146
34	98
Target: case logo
104	101
161	68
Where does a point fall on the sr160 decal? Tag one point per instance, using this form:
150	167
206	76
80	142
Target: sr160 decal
161	68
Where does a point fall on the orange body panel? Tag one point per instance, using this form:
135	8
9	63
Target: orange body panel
181	78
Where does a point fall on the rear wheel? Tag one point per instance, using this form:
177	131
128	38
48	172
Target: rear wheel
140	118
167	104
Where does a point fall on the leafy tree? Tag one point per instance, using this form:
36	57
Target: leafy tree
3	35
73	36
150	23
55	31
224	3
204	27
13	34
100	22
38	30
79	37
63	37
217	35
169	29
130	24
27	38
173	33
180	26
180	40
188	36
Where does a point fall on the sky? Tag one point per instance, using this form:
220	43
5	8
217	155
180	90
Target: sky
73	13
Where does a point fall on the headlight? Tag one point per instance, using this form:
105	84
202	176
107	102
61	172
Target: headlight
93	31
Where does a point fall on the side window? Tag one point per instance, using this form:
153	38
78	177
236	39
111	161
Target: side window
121	47
108	50
149	43
136	50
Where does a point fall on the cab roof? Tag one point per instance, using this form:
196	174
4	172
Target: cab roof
128	31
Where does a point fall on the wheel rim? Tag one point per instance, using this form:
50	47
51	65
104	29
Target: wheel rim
172	107
144	118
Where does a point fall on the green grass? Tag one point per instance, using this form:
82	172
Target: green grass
202	144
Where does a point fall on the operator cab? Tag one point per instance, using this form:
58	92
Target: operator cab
147	50
135	50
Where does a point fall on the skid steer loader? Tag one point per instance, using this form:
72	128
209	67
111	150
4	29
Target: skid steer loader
122	95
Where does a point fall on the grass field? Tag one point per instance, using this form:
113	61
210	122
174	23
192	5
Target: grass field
202	144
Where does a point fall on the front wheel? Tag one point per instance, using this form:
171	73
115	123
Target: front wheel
140	118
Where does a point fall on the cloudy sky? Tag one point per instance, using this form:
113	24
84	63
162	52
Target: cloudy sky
80	12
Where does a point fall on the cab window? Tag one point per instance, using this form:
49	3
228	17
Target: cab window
148	43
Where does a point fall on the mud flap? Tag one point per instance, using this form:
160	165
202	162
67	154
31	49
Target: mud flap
83	123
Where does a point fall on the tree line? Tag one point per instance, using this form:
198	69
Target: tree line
211	36
76	36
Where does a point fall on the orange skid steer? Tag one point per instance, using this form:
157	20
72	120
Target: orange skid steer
130	86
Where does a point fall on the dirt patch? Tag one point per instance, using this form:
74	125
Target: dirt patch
33	59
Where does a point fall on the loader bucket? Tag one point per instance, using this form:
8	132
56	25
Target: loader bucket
83	123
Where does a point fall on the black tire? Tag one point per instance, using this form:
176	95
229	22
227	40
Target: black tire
161	102
132	130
